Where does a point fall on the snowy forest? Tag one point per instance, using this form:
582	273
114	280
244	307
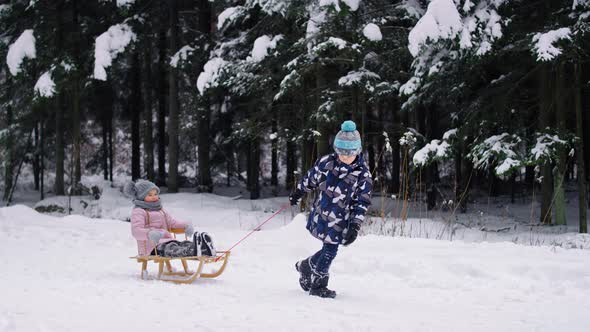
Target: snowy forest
453	98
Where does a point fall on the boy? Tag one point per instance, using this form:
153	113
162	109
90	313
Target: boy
344	184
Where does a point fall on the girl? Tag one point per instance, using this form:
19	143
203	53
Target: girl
344	189
150	224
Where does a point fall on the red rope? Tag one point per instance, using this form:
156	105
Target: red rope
257	228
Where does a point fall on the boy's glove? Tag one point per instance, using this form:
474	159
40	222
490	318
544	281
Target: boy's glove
295	197
155	236
353	232
189	230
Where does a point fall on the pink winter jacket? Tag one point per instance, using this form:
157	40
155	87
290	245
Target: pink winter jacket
158	220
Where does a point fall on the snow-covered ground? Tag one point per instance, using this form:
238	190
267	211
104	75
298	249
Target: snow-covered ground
73	274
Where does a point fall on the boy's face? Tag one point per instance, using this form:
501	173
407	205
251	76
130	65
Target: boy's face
346	159
152	196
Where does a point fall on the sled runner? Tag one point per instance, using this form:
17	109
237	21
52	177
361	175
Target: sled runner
167	273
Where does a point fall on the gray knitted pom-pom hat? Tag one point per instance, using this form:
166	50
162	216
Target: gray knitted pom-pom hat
140	189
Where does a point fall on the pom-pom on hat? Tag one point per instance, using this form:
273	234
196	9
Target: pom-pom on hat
139	190
348	140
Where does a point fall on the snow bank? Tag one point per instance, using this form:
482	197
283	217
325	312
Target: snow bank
22	48
108	45
76	269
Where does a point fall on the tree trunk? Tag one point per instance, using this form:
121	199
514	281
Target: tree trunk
105	149
459	175
148	141
162	65
586	139
135	106
581	169
9	156
105	100
274	171
560	169
59	121
432	169
111	149
228	148
36	163
42	159
545	120
173	119
371	154
322	141
205	183
254	167
76	121
395	152
291	162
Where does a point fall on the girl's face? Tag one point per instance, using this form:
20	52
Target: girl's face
346	159
152	196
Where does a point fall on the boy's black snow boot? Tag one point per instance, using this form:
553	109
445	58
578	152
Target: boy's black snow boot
304	274
319	286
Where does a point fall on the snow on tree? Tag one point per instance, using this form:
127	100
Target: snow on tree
4	8
544	43
547	147
580	3
352	4
125	3
45	86
441	21
372	32
270	7
317	17
448	31
182	54
108	46
230	15
361	77
22	48
262	46
208	78
499	151
435	150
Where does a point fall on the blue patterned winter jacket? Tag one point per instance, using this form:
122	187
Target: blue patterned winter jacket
344	196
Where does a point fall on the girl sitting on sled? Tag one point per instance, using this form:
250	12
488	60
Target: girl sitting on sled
150	225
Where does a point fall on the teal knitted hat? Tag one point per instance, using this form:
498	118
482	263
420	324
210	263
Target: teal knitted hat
348	140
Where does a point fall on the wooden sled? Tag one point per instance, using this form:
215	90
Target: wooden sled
186	276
